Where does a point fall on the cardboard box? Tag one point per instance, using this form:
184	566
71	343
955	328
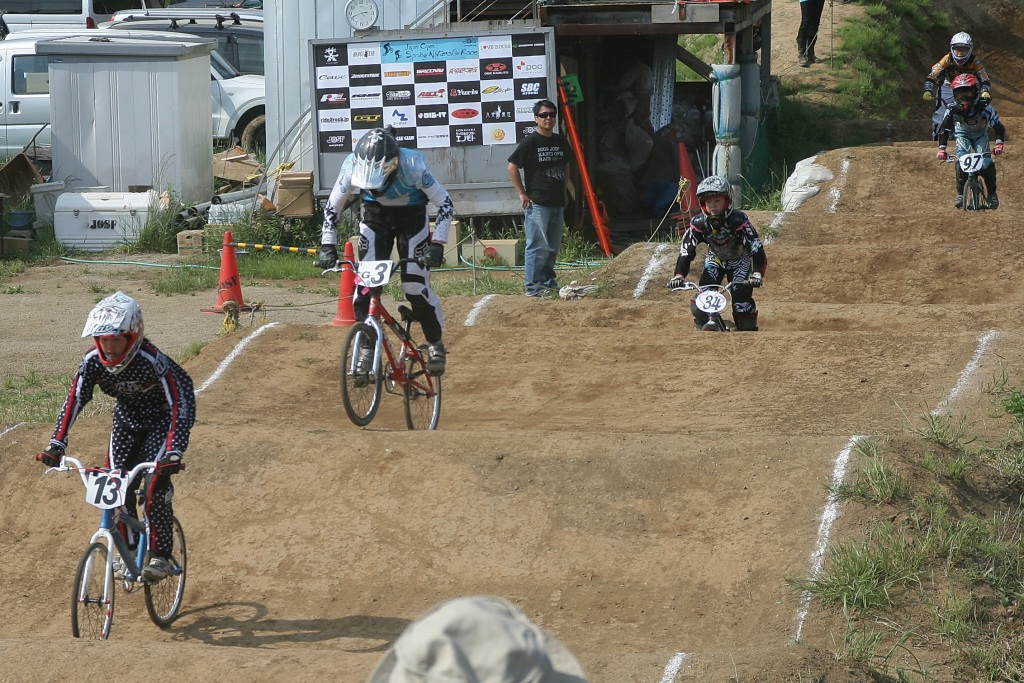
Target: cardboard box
16	245
294	194
495	253
235	164
190	242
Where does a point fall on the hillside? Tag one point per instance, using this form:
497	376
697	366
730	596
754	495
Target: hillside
641	490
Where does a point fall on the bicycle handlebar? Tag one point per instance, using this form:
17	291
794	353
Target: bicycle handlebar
345	262
69	464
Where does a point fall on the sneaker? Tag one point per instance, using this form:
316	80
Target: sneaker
436	356
993	201
118	568
958	201
157	569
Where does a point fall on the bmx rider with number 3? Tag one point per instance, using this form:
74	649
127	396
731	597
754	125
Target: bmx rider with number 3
154	412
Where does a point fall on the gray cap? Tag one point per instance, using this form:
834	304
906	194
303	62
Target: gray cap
477	640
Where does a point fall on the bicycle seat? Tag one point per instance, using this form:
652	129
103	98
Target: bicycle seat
406	314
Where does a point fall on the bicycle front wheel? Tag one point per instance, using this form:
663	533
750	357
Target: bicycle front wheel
163	598
972	195
360	392
92	606
422	394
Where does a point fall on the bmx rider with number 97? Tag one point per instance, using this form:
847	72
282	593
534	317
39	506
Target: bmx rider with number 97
154	410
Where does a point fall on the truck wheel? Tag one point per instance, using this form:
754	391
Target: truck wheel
254	136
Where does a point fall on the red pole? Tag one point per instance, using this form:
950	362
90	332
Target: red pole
597	211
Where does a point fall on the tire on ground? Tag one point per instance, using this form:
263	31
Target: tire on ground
254	135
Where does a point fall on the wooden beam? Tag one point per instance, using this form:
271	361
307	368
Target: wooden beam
684	56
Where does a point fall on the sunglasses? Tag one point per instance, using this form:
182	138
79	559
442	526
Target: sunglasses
546	115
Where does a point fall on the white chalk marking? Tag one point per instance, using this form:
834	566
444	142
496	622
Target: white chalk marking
844	168
965	376
774	225
652	266
673	667
828	517
474	312
232	356
10	429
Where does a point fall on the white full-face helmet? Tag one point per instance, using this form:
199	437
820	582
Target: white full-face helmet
117	315
960	48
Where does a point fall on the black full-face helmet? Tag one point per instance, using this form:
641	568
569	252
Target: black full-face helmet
375	160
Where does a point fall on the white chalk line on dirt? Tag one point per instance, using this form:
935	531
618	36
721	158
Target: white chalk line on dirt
984	341
673	667
10	429
832	502
776	223
828	517
474	312
652	266
232	356
844	169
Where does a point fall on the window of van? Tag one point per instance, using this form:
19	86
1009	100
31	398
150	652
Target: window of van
31	75
42	6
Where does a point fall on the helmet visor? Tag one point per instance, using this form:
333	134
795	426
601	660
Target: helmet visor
961	51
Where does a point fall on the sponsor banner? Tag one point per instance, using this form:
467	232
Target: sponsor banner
498	112
329	77
524	44
532	89
399	94
439	92
400	117
364	119
396	74
429	50
432	136
335	120
496	90
335	141
496	68
432	115
467	135
464	92
499	133
461	114
364	54
334	99
330	55
464	70
495	46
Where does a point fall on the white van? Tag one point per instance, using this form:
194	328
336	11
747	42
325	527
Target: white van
19	15
238	101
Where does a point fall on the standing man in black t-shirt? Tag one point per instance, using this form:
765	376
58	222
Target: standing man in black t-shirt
542	156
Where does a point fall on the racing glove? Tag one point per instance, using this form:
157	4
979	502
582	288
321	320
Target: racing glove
170	463
435	254
941	154
998	149
756	279
327	257
676	282
986	95
51	455
927	96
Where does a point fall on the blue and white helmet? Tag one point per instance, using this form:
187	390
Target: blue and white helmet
960	48
375	160
117	315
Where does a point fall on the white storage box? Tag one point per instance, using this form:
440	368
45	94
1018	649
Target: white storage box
97	221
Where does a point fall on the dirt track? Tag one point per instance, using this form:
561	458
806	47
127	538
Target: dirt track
639	489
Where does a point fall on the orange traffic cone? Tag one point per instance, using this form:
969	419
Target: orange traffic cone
230	286
688	204
346	315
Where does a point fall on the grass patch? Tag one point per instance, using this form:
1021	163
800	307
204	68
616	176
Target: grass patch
937	578
37	399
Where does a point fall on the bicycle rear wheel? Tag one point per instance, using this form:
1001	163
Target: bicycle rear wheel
163	598
361	394
422	393
92	607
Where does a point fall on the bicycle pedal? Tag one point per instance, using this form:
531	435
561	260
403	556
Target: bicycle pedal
406	314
